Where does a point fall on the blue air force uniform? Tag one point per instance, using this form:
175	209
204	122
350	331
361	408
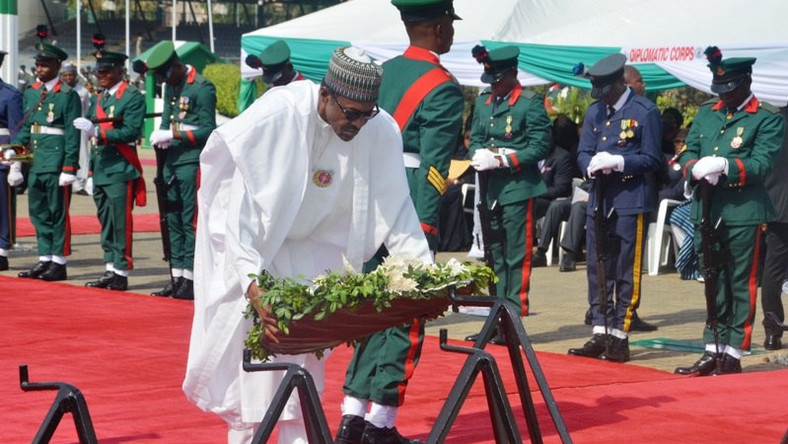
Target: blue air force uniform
10	116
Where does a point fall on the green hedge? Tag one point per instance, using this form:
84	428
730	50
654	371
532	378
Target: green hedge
227	79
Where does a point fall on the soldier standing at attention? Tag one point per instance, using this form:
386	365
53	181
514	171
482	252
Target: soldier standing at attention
732	145
52	139
188	118
427	104
115	169
10	173
509	137
619	144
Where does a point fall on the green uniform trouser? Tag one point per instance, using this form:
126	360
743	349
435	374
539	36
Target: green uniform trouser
182	217
114	203
381	366
512	255
737	290
48	204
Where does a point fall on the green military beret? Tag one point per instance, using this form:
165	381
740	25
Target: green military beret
727	74
605	72
107	59
160	55
496	62
48	51
413	11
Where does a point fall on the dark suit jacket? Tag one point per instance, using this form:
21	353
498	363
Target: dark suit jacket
777	181
557	172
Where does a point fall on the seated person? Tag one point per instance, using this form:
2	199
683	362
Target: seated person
559	167
454	224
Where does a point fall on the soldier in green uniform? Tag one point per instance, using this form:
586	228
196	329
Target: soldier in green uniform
275	63
732	145
427	103
115	169
188	118
509	136
50	106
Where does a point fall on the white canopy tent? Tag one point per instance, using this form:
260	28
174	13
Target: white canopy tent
665	37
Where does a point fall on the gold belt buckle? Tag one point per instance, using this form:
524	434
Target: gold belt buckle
35	128
494	150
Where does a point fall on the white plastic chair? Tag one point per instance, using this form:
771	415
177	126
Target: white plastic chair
659	239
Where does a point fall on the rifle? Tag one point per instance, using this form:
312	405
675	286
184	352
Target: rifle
715	256
485	219
119	119
164	207
607	247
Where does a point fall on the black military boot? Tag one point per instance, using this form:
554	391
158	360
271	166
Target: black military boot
383	435
350	429
730	365
638	324
170	288
618	350
103	281
118	283
539	259
37	270
704	366
55	272
3	263
591	349
185	290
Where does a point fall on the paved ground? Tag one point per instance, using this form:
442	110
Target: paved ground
558	300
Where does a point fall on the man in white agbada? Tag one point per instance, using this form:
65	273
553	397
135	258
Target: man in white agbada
308	174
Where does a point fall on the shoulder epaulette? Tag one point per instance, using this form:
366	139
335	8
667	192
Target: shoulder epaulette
487	91
769	107
528	94
65	88
711	102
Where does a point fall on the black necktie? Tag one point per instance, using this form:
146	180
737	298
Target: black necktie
610	111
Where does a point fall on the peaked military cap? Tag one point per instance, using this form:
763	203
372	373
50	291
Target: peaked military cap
48	51
413	11
496	62
107	59
273	60
727	74
161	56
605	72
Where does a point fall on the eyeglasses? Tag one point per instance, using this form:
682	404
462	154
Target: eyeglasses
352	114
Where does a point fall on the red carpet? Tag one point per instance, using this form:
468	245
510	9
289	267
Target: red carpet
127	354
143	223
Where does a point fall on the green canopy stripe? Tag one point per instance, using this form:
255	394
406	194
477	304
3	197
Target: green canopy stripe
8	7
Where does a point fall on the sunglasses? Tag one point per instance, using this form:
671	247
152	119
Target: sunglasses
352	115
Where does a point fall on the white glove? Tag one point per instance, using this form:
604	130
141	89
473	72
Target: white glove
7	154
606	163
15	177
485	159
709	165
712	178
66	179
86	126
89	186
161	138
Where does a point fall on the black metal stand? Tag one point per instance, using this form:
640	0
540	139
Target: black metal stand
317	431
505	316
479	361
68	399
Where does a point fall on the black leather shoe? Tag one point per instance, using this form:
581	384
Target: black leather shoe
618	350
170	288
638	324
704	366
350	429
538	259
730	365
185	291
103	281
591	349
568	263
383	435
55	272
37	270
772	342
118	283
3	263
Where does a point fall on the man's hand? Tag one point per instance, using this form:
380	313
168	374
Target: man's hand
268	320
708	167
606	163
89	186
85	125
161	138
15	177
66	179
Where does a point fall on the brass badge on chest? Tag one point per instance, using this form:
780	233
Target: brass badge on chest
322	178
111	111
737	141
508	128
51	113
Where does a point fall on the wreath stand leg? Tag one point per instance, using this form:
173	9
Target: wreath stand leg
297	377
68	400
505	316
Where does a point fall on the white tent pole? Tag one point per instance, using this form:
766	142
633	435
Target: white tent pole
174	17
210	24
128	27
79	38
